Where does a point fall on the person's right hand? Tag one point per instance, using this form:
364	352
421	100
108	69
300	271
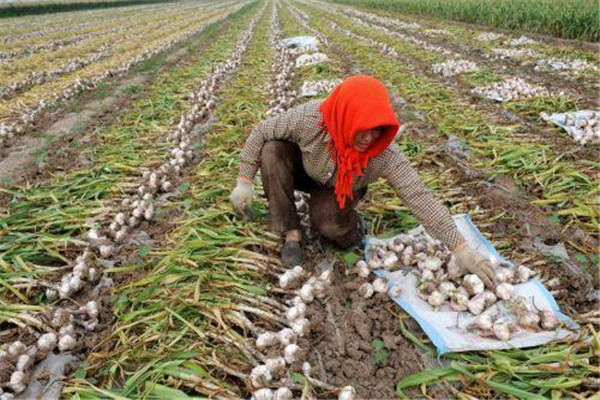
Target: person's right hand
469	260
241	196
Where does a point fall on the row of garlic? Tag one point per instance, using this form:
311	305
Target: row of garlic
133	209
62	337
303	18
513	88
27	118
454	67
315	88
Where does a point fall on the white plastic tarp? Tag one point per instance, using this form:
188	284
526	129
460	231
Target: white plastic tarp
560	119
446	328
306	43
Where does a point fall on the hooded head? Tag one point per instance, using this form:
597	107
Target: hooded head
359	104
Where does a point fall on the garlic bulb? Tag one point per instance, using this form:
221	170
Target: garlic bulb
529	319
363	271
266	339
523	274
473	284
549	320
276	366
18	381
504	291
476	304
366	290
503	330
379	285
447	288
347	393
16	348
286	336
390	260
453	268
290	353
66	343
427	275
307	292
504	275
260	376
47	342
483	322
295	312
436	299
301	327
262	394
489	298
306	368
283	393
431	263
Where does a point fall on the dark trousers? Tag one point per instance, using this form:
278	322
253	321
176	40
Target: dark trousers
282	173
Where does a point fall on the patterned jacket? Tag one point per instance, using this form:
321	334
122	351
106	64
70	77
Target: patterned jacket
301	125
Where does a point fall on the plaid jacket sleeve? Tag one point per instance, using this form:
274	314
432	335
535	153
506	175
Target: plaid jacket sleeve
434	217
286	125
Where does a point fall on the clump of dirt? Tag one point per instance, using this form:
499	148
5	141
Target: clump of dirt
357	341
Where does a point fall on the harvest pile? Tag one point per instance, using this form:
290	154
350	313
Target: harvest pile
124	253
443	285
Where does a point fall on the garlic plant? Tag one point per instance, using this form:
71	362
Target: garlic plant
280	88
440	283
513	88
315	88
583	127
454	67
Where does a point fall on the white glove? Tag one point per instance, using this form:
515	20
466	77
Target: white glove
471	261
241	196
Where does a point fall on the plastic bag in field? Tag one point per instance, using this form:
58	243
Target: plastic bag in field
305	43
583	125
311	59
447	329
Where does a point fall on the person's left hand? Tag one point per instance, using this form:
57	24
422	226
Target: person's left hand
471	261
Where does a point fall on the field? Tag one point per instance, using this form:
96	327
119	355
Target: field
124	268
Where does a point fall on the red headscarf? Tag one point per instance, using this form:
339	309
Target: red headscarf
358	103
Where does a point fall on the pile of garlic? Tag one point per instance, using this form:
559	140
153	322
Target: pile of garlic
563	64
488	36
515	53
583	128
311	59
315	88
454	67
520	41
513	88
21	358
440	281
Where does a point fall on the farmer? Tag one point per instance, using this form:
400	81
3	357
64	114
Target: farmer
333	149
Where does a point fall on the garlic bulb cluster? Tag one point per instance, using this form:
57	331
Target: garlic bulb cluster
311	59
520	41
392	23
440	281
315	88
563	64
488	36
454	67
291	278
517	314
83	272
513	88
347	393
583	127
514	53
26	119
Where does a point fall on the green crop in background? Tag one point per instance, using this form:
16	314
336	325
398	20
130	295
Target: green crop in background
569	19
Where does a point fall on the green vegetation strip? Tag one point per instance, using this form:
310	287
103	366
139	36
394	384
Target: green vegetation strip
40	225
566	185
174	331
570	19
19	9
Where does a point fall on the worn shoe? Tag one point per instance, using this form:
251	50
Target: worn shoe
291	254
